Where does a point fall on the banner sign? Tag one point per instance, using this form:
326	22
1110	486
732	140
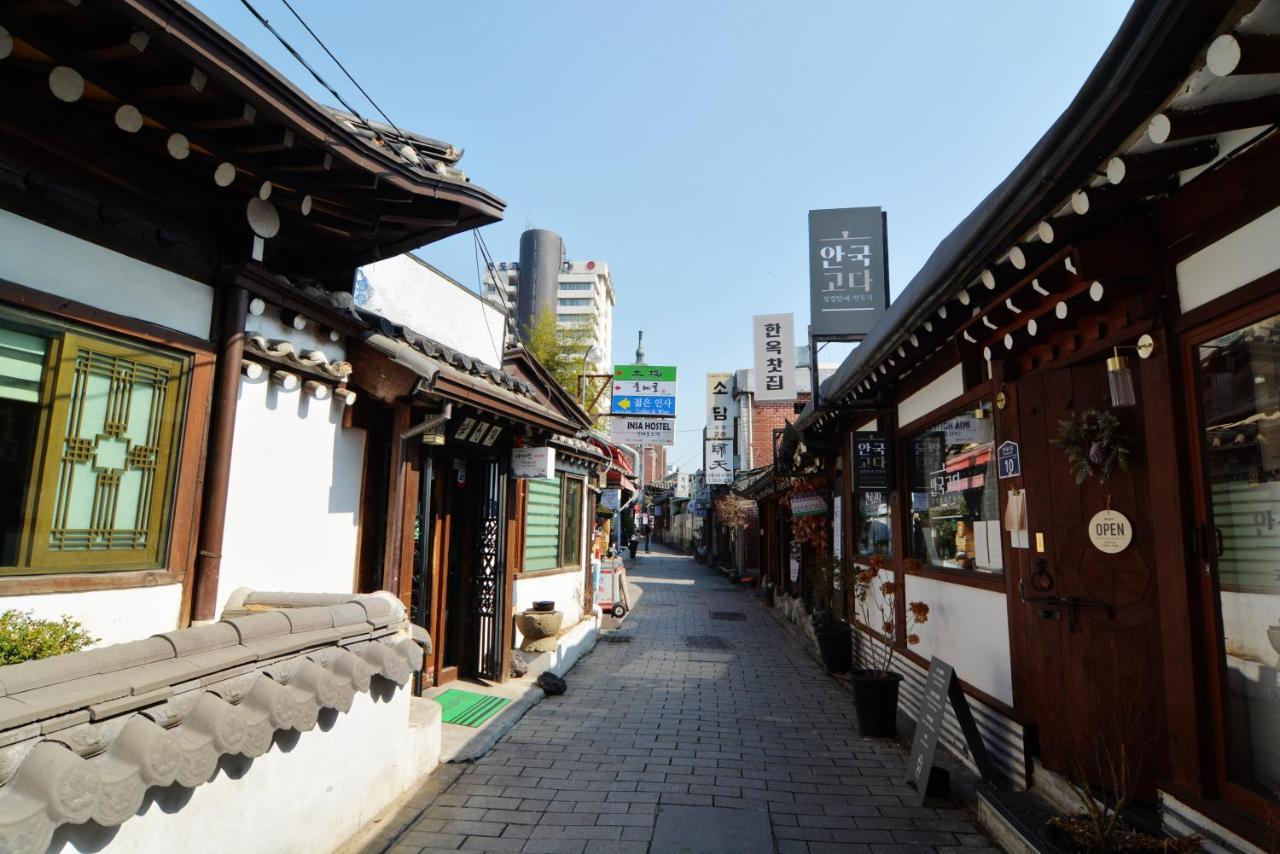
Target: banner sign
808	504
848	282
644	390
871	461
638	432
682	485
719	461
611	498
533	462
719	406
774	340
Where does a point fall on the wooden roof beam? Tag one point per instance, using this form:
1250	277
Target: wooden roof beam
136	43
1243	53
1175	125
1161	163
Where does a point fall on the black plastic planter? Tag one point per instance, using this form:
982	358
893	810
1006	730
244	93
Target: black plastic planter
835	645
875	699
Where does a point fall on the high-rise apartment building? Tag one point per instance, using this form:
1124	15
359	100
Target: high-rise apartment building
577	292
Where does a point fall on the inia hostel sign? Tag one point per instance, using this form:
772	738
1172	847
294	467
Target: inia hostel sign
848	270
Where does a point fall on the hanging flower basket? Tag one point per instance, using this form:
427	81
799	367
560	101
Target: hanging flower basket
1094	443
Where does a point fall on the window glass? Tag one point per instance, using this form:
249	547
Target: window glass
575	301
571	523
872	473
1238	378
89	428
955	498
576	286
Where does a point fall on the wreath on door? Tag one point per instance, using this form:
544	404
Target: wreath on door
1094	443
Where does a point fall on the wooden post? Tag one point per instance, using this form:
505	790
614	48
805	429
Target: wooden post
213	518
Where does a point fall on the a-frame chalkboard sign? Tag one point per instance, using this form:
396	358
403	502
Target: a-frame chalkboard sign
940	689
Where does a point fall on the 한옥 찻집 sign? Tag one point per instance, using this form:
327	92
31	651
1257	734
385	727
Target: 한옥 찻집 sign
644	390
774	342
848	283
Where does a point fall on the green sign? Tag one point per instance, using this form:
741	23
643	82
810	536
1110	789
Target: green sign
652	373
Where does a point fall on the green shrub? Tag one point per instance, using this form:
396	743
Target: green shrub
24	637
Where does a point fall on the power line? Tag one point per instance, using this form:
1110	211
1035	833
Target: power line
338	63
293	51
484	319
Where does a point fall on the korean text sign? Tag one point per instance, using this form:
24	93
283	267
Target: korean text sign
644	390
774	346
719	406
719	465
848	270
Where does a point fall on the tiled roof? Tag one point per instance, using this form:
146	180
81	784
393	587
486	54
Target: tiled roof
86	734
420	153
435	350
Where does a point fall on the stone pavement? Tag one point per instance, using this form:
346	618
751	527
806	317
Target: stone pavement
744	721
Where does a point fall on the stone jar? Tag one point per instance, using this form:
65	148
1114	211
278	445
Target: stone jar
539	629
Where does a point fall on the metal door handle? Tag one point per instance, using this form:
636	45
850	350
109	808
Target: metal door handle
1217	540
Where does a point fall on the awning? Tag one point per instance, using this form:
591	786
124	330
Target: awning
471	382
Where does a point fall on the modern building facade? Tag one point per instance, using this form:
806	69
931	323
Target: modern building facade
578	292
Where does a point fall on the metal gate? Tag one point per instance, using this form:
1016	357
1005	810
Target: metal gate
487	604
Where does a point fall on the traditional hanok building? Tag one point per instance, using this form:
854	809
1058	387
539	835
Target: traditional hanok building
190	412
1079	396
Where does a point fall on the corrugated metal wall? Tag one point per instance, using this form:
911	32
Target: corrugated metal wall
542	524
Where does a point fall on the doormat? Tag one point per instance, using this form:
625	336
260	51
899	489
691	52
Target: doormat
728	616
707	642
465	708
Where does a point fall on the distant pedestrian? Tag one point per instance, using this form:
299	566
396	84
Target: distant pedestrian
648	536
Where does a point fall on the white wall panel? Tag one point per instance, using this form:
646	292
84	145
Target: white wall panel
1237	259
947	387
52	261
968	628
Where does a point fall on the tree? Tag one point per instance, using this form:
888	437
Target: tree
559	348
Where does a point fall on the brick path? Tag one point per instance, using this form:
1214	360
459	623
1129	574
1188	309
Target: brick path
653	722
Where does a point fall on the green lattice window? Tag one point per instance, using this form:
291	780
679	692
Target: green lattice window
92	424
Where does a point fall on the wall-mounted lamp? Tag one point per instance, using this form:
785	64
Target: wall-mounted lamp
1120	377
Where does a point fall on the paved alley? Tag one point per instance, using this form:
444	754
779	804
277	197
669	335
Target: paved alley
746	721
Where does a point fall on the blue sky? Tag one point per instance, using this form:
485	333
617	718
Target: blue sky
684	142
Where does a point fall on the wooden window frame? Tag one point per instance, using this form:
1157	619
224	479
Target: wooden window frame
909	564
884	425
178	555
1221	316
565	477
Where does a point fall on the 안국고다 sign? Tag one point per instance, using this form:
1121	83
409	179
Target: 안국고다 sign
848	287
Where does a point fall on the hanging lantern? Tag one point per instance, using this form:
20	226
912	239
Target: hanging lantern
1121	380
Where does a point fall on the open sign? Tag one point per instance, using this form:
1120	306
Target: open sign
1110	531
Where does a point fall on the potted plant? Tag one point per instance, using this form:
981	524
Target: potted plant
875	687
833	635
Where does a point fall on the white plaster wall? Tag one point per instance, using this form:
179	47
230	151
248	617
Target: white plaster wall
49	260
1237	259
311	796
968	628
111	616
294	494
564	588
407	291
946	387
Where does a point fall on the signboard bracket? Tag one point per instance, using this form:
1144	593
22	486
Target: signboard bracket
814	350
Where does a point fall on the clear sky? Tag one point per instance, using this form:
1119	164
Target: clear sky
683	141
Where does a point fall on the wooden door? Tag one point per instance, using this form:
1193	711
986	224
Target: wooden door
1085	624
443	669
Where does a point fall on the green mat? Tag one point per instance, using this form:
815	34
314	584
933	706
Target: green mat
465	708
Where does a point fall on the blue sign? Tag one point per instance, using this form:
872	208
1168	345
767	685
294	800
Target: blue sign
1009	457
644	404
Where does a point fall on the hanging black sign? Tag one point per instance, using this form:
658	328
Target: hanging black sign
871	462
940	689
